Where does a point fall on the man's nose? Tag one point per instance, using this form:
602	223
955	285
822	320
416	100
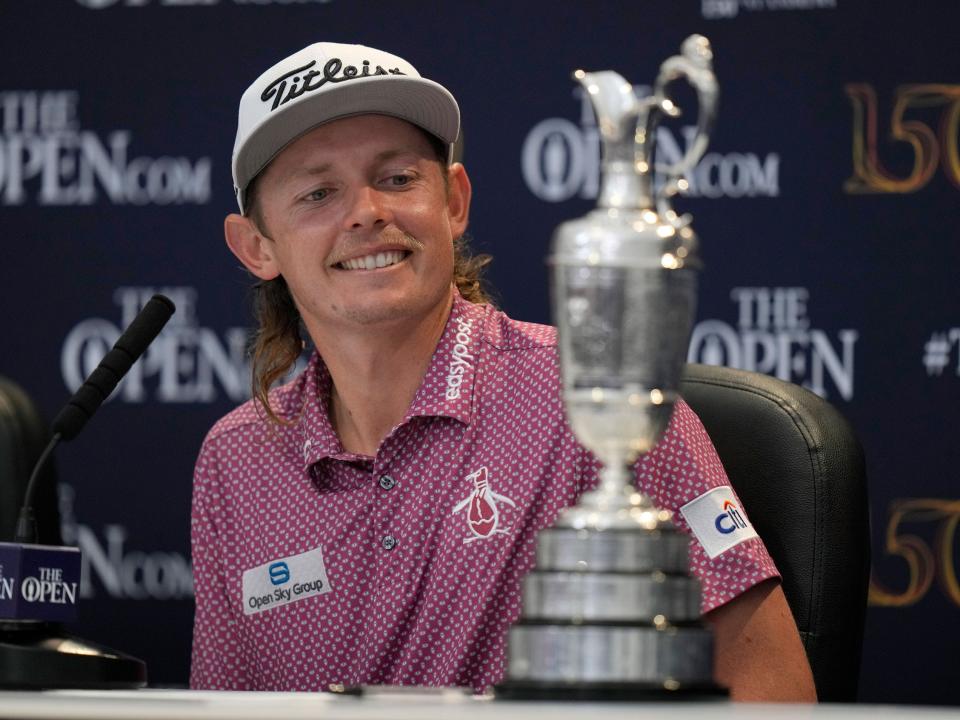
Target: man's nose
369	208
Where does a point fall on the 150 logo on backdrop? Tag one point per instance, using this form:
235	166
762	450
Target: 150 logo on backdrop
926	555
773	336
924	128
186	363
561	160
47	158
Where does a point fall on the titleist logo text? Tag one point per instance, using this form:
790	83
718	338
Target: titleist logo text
460	358
305	79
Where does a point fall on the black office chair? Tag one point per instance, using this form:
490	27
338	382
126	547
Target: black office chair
798	469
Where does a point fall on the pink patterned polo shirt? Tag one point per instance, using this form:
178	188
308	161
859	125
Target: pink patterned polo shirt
314	566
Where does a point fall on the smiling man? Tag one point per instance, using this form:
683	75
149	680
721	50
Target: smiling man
371	521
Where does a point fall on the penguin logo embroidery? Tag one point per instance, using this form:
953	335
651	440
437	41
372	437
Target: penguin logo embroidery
483	517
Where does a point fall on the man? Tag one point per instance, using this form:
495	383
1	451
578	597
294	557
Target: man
370	522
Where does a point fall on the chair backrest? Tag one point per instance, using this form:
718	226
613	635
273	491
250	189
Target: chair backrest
23	436
798	470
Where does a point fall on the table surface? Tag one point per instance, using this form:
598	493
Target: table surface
407	705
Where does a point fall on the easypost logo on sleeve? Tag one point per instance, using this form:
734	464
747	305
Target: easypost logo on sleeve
283	581
718	520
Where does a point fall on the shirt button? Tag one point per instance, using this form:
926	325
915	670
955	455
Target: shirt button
387	482
389	542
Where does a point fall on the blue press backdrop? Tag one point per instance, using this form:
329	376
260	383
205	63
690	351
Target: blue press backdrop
826	205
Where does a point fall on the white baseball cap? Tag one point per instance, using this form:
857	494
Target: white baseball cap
328	81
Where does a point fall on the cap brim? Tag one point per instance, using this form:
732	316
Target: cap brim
416	100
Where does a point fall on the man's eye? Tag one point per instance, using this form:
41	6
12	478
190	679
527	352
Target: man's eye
400	180
318	194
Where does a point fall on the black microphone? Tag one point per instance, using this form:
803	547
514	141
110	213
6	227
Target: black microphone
97	388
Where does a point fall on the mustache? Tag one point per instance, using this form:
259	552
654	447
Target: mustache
355	246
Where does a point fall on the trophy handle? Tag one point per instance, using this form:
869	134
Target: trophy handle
695	64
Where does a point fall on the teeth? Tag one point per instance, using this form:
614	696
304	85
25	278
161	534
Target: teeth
371	262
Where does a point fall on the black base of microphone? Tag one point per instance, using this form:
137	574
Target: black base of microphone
39	656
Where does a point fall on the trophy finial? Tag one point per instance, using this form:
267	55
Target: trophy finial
697	50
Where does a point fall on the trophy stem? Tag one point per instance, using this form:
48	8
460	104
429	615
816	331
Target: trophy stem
614	491
615	479
615	503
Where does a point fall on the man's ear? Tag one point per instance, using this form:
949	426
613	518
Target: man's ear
458	198
252	248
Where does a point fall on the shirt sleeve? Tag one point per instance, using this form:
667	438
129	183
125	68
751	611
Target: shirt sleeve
683	467
217	661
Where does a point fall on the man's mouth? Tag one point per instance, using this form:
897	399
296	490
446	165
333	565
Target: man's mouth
374	260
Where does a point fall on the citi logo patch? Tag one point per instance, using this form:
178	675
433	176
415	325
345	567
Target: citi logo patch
281	582
730	520
483	515
718	521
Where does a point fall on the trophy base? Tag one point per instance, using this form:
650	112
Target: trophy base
609	655
609	692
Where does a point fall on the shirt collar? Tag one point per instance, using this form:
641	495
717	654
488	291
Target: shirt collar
447	388
318	438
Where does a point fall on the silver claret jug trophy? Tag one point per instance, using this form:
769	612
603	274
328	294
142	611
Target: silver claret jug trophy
610	610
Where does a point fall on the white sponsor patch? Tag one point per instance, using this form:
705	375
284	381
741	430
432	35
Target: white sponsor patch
718	520
460	359
284	581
